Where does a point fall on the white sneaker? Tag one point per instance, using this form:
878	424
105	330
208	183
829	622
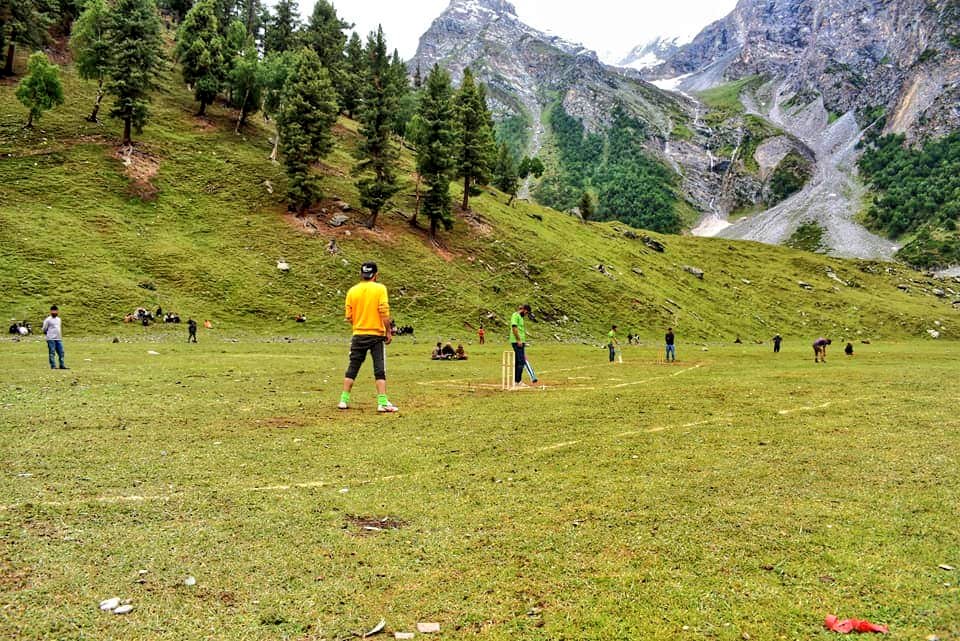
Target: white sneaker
389	408
520	385
342	406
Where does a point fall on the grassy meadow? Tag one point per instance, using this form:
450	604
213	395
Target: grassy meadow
736	494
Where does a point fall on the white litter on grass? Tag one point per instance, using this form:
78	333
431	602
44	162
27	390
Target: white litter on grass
344	490
110	604
377	629
153	353
189	581
403	635
948	568
124	609
428	628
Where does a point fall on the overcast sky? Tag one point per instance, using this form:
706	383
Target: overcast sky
609	27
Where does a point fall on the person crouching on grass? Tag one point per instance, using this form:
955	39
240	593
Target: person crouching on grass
367	309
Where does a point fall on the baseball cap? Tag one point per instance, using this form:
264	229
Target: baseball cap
368	270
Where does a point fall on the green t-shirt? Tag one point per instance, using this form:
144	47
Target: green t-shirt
517	320
612	337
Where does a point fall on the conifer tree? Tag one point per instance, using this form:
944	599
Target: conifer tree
377	153
406	100
506	179
91	50
133	33
21	22
324	33
417	78
281	31
475	145
200	52
40	90
435	138
586	206
307	114
354	72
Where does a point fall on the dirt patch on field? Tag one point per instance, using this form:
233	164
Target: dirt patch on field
12	578
281	422
370	525
141	168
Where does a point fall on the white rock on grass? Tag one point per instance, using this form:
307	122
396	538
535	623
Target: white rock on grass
189	581
403	635
124	609
428	628
109	604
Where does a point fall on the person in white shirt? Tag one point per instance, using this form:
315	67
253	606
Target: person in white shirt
54	335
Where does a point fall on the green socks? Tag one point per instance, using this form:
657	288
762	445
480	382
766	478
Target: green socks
382	399
344	397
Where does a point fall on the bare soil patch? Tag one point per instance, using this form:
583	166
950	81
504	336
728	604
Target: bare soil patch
140	167
370	525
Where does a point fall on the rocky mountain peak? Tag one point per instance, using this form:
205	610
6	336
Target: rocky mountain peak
500	7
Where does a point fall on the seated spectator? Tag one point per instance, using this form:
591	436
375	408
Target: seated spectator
437	353
301	318
461	355
448	352
848	350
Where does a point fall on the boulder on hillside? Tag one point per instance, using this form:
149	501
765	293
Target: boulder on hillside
696	271
655	245
803	285
338	221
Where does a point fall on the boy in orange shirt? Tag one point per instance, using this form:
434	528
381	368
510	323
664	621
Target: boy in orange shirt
367	309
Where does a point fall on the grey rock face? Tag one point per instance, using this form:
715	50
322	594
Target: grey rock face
857	54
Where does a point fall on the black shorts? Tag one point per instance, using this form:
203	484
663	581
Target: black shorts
359	346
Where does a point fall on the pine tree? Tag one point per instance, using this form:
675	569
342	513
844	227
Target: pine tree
324	33
40	90
21	22
417	78
281	31
475	145
507	180
586	206
354	72
200	52
406	100
435	138
307	114
133	33
246	82
377	153
90	47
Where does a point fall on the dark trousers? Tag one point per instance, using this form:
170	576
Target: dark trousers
613	351
359	346
192	337
776	348
519	358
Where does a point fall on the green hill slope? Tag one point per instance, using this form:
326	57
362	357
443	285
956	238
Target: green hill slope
206	236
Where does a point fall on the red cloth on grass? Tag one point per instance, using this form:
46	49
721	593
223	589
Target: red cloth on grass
847	626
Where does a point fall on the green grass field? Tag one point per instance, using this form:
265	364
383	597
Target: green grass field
734	495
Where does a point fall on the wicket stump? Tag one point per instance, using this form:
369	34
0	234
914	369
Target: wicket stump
507	364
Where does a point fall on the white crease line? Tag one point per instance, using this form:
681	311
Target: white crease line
810	408
99	499
316	484
557	446
657	378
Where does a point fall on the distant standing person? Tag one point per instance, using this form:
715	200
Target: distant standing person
776	343
482	335
612	342
191	331
671	350
820	350
367	309
54	333
518	341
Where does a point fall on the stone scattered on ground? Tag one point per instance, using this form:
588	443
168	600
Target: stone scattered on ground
124	609
283	266
110	604
428	628
655	245
933	333
189	581
696	271
403	635
803	285
338	221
